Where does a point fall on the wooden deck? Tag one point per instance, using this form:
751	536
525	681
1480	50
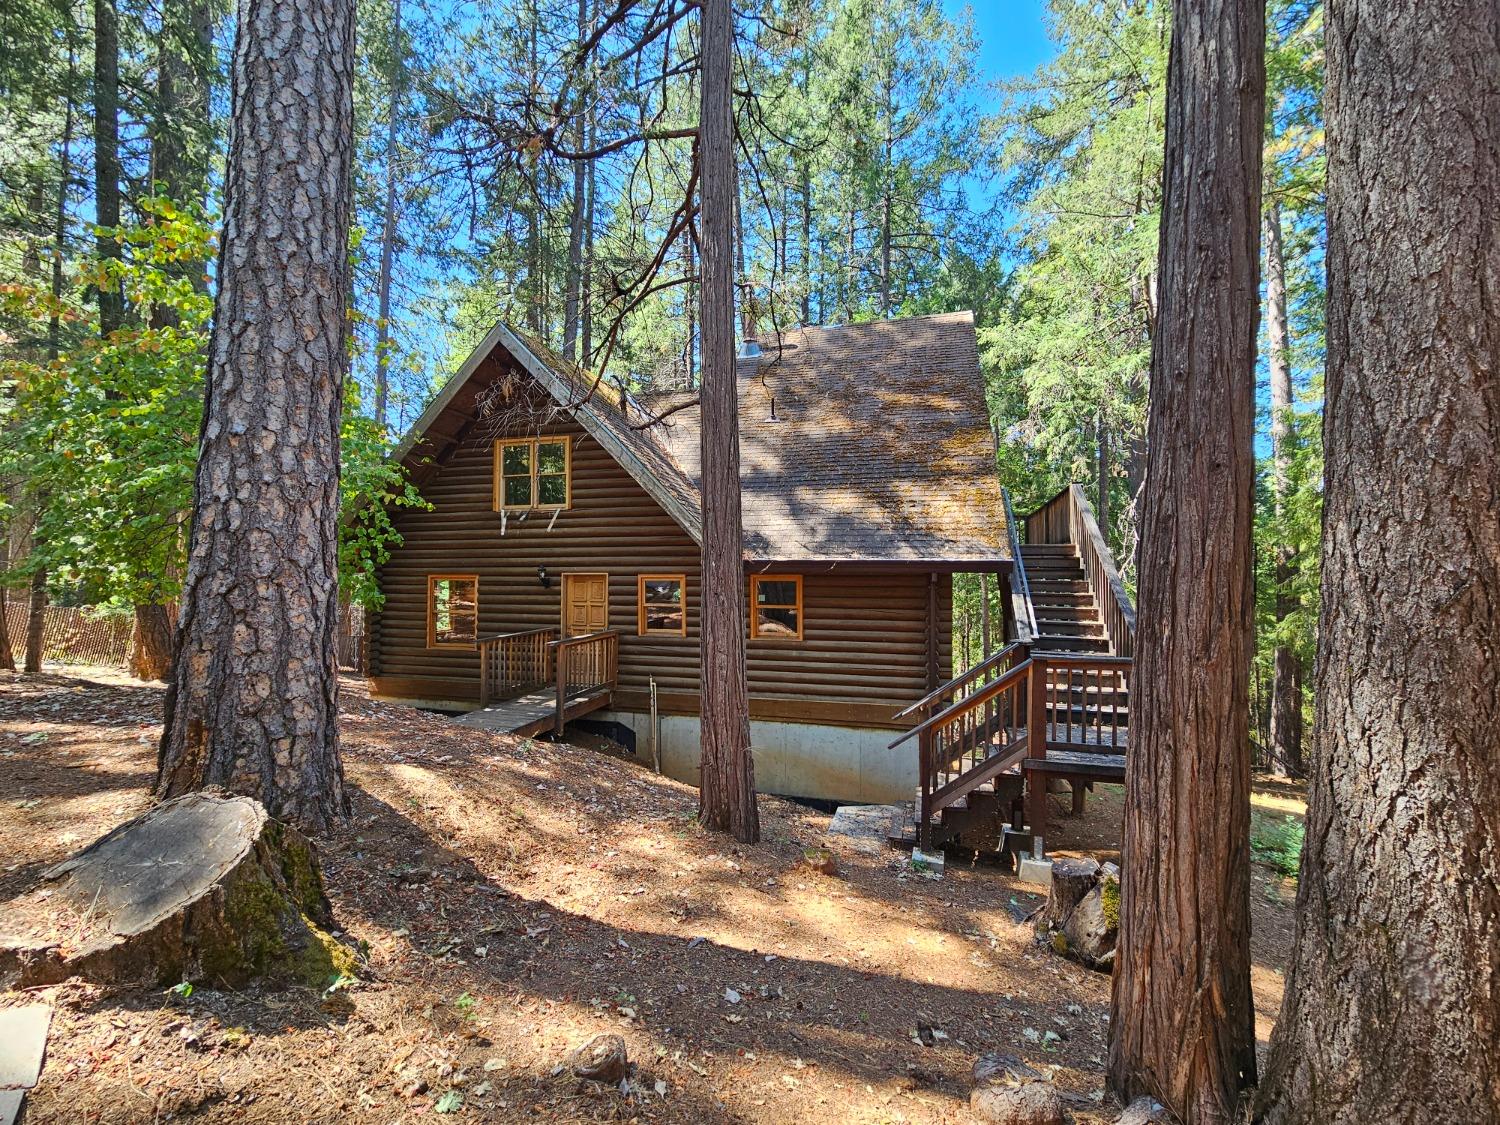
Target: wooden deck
533	713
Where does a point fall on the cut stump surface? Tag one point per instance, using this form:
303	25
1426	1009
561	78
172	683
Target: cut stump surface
203	887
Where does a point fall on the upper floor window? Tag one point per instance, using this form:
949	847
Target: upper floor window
452	609
776	606
533	473
662	602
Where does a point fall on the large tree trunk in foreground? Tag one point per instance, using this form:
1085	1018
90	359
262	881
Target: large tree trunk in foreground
1286	674
727	773
253	704
204	887
1181	1024
1392	1009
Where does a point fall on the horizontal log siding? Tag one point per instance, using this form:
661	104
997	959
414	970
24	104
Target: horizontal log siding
865	635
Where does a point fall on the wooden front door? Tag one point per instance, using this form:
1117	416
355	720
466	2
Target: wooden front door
585	600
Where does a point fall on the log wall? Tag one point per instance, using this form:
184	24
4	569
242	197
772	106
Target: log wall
864	653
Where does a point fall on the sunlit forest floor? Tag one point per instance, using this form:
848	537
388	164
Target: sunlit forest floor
518	897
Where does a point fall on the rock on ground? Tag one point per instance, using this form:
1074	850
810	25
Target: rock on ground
205	887
1035	1103
1145	1111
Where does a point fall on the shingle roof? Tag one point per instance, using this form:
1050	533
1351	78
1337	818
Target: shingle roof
880	451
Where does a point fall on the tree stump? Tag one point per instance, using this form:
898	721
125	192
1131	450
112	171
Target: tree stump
1071	880
203	887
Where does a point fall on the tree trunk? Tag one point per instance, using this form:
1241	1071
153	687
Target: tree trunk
151	643
745	297
1392	1012
1181	1025
727	796
107	155
1102	471
885	204
573	276
7	653
36	619
1285	742
984	615
388	228
253	703
184	63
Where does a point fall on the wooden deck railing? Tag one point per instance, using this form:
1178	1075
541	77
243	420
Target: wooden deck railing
1079	701
513	663
584	665
1069	518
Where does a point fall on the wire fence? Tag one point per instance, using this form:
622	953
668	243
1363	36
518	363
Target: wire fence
81	636
71	635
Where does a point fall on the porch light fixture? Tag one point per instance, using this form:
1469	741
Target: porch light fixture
542	576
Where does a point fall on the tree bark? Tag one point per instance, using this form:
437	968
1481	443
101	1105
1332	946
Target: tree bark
107	155
1181	1023
1392	1009
573	278
151	643
388	228
727	794
253	702
36	619
7	655
1102	471
1286	674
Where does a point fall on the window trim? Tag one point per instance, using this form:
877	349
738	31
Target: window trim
497	485
755	581
641	629
432	641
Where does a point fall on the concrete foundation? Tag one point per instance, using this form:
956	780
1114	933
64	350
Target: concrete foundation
791	759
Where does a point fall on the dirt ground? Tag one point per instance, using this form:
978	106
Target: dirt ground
517	897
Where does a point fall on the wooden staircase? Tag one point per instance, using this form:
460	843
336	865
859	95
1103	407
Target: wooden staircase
1053	705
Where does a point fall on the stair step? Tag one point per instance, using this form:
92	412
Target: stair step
1029	550
1087	713
1086	613
1054	626
1054	642
1059	569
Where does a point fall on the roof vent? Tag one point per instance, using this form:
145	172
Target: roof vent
749	349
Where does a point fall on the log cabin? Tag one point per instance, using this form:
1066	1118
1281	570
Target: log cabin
555	577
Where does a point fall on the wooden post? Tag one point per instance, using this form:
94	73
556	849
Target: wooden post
924	797
1036	747
562	687
934	644
484	673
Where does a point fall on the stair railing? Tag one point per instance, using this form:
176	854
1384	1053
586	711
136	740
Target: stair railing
969	741
585	665
988	669
1020	589
1069	518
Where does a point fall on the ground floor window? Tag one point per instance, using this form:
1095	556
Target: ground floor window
452	609
662	605
776	606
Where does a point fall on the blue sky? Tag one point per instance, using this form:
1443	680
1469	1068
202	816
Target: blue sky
1012	37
